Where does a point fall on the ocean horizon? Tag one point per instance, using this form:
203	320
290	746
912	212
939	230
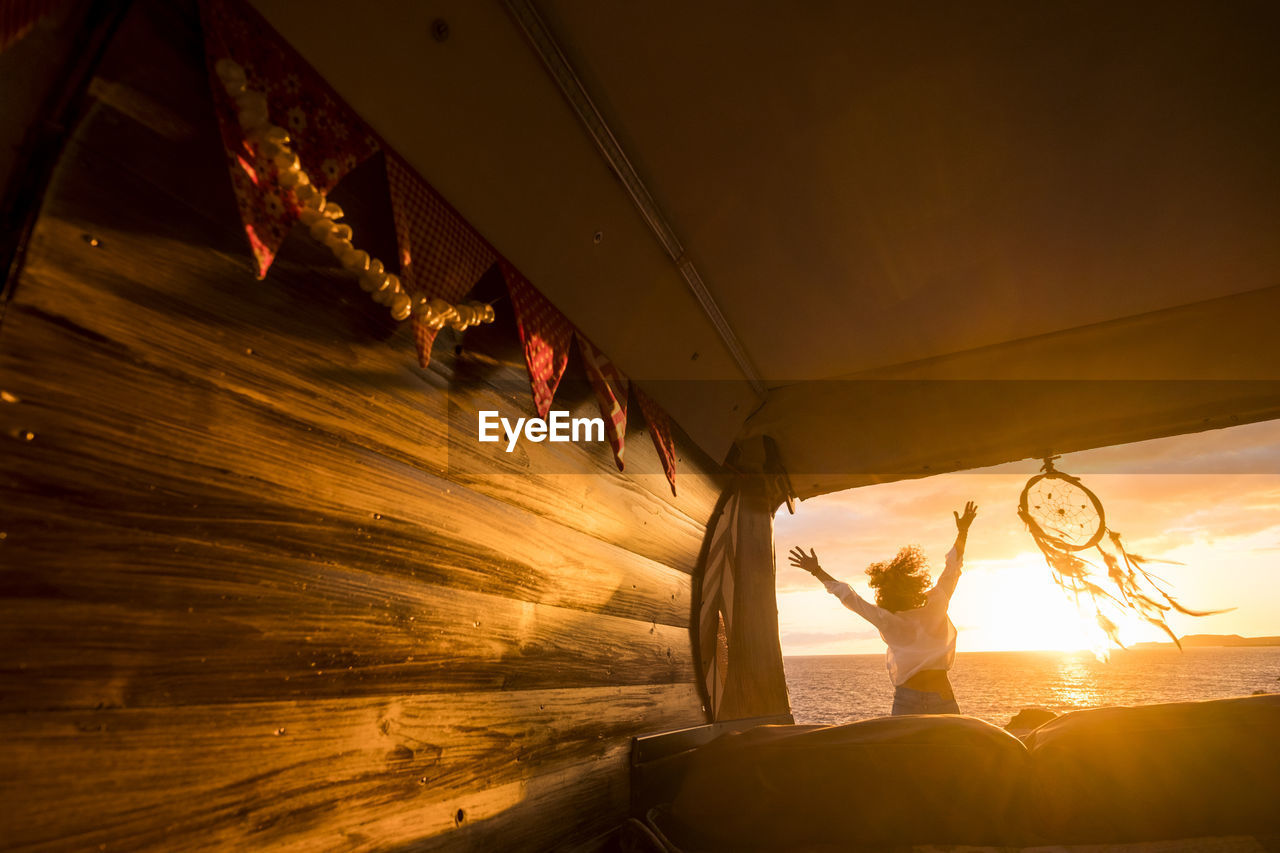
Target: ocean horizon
994	686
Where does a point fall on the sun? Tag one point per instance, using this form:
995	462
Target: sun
1014	605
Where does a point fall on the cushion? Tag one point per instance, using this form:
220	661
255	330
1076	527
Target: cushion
1159	771
889	781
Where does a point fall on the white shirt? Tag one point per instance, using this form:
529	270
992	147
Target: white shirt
918	639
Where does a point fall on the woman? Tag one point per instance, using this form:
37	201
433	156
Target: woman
912	622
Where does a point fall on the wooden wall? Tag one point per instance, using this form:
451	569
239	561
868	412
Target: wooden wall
259	586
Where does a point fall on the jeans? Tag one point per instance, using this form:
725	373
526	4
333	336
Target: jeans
908	701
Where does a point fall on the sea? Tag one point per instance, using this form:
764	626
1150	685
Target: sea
834	689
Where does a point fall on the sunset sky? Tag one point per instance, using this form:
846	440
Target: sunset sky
1210	501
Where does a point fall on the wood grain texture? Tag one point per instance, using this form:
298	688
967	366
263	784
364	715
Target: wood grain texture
308	344
119	439
756	685
174	260
259	584
122	527
304	632
349	774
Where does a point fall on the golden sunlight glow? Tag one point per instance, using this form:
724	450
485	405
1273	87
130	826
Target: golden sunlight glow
1010	605
1197	502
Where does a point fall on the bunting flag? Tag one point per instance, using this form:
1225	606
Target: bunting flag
715	613
546	336
265	85
660	429
328	137
19	17
611	392
441	255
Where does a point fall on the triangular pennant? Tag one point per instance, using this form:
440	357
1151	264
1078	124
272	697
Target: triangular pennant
546	336
660	429
328	137
441	256
424	339
611	392
19	17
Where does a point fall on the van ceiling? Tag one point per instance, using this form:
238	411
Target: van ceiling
860	185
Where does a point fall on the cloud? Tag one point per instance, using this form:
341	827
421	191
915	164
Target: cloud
815	638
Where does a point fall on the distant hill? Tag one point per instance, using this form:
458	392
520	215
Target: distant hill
1216	640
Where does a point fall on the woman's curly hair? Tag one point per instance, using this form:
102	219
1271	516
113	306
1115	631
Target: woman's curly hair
900	583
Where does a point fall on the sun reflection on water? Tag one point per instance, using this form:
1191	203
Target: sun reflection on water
1077	686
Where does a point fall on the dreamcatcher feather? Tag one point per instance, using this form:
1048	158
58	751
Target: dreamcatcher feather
1064	518
715	615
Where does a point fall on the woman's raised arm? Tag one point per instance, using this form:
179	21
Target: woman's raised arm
962	526
809	562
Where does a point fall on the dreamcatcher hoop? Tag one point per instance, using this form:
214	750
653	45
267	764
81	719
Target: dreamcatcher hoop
1056	503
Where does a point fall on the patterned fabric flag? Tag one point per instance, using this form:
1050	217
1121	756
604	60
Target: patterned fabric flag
328	137
19	17
440	254
660	429
715	613
545	333
611	391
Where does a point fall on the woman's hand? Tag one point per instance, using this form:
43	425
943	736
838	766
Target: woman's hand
963	521
808	562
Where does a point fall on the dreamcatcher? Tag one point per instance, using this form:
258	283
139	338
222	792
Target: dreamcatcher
1066	518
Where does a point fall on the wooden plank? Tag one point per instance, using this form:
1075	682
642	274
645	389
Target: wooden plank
118	438
149	158
132	161
179	188
71	653
522	766
139	164
256	589
323	361
112	433
553	810
167	621
87	531
756	685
